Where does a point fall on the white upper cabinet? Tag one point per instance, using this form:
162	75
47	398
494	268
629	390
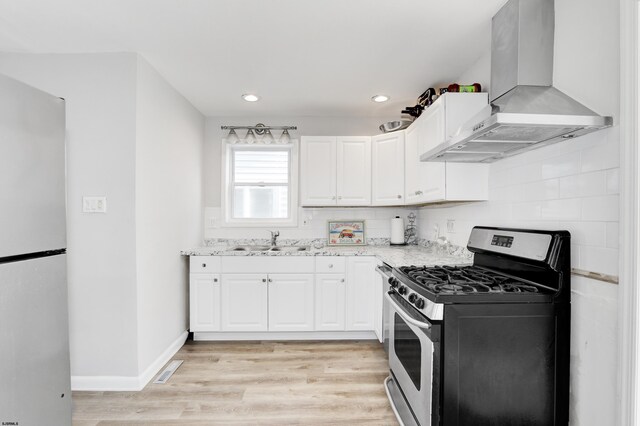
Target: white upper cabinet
354	171
335	171
433	181
388	169
446	115
318	171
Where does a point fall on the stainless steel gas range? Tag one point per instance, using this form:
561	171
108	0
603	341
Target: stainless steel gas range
484	344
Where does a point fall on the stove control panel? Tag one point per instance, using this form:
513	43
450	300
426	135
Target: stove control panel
529	245
433	311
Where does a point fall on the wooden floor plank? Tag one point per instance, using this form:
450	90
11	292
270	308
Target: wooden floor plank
255	383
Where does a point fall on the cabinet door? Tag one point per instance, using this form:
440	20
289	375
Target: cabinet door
204	302
244	302
432	129
354	171
388	169
360	292
291	302
330	302
432	175
318	171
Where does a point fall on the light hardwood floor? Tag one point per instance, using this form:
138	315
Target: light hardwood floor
250	383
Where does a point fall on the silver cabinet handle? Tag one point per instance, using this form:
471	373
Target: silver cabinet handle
399	196
339	197
419	193
264	280
342	280
270	280
204	265
215	280
331	265
333	198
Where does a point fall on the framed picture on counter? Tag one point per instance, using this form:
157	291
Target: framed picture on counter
346	233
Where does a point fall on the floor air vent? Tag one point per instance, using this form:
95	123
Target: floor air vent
168	372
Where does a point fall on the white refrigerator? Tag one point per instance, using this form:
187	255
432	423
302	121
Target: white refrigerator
34	328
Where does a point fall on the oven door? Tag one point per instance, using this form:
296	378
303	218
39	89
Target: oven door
414	358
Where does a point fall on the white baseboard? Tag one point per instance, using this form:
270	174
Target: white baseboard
285	335
128	383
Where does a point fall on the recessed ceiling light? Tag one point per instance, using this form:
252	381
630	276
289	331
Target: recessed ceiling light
380	98
250	97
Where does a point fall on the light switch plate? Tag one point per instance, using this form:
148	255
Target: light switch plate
94	204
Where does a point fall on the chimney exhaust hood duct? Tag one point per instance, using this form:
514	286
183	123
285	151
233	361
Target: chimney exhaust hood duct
525	111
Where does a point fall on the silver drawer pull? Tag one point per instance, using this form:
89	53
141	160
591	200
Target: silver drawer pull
204	265
342	280
331	265
215	280
264	280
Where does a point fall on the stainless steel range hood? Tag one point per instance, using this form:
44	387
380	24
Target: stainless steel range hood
525	111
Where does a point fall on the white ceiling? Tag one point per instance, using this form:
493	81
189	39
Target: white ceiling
303	57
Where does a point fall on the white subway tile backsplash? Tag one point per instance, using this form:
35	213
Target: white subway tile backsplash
613	235
604	208
583	185
600	259
613	181
564	165
601	157
568	209
586	233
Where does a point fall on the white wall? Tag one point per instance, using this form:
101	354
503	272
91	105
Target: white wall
312	222
134	139
169	136
100	100
571	185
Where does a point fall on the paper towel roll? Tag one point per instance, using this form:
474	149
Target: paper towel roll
397	230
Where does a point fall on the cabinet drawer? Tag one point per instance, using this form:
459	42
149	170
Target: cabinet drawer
208	264
330	264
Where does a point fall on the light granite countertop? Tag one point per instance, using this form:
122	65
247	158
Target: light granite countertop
393	256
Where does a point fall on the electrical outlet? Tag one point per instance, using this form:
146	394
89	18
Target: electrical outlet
211	222
451	226
94	204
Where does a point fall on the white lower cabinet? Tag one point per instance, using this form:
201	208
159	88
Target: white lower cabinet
284	295
204	299
244	302
360	292
330	302
291	302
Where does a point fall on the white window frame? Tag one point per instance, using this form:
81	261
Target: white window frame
227	186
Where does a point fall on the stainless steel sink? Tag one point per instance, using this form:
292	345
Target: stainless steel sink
268	248
250	248
290	248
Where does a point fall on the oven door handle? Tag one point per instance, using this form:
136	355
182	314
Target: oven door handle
406	315
384	272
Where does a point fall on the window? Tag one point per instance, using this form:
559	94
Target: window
260	185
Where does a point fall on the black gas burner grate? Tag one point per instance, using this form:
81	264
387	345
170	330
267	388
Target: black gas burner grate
464	280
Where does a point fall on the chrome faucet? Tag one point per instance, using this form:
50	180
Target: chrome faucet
274	237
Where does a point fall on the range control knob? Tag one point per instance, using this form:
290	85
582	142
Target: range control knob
393	282
413	297
402	290
419	303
